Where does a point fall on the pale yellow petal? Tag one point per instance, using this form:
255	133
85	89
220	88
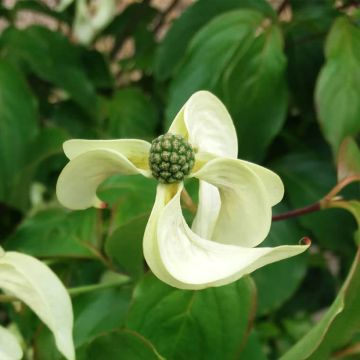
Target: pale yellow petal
164	193
79	180
208	125
10	348
207	210
195	263
272	182
136	151
245	214
37	286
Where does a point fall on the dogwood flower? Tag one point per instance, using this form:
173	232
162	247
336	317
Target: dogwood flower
90	17
235	196
32	282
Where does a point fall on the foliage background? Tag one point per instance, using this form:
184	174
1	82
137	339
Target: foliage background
289	74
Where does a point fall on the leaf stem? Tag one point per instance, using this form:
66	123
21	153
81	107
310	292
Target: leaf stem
188	202
94	287
298	212
77	290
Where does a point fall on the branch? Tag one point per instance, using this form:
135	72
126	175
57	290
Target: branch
163	16
282	7
298	212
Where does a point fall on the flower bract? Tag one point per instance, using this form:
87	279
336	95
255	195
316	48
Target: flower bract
235	197
32	282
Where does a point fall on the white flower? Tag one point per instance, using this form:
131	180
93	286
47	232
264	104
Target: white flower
90	17
10	348
32	282
235	199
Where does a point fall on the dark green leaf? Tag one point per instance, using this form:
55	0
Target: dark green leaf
255	91
207	324
277	282
338	86
69	116
99	312
305	37
97	69
53	58
132	115
122	344
308	177
124	246
191	21
253	349
55	232
239	56
300	4
338	324
210	53
128	196
18	128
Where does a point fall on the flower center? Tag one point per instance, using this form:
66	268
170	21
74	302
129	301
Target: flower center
171	158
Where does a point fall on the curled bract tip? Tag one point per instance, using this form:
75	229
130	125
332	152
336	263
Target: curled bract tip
305	241
103	205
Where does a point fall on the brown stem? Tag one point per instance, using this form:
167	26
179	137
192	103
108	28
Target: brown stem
354	3
339	186
188	202
298	212
282	7
162	17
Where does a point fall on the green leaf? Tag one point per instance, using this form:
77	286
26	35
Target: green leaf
209	55
338	86
124	246
255	91
300	4
348	162
277	282
253	348
99	312
185	27
132	115
207	324
18	128
122	344
305	37
48	142
97	68
353	206
239	57
55	232
127	21
53	58
337	326
308	177
121	193
70	117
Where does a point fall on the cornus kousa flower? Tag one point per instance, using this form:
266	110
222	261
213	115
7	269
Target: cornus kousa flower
235	196
32	282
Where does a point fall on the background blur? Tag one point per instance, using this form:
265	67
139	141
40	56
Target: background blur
289	73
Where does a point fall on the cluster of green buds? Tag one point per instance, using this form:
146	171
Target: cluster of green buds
171	158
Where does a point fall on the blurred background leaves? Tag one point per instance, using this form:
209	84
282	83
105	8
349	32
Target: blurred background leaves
289	73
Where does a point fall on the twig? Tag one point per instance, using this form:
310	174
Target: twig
298	212
282	7
163	16
89	288
77	290
188	202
